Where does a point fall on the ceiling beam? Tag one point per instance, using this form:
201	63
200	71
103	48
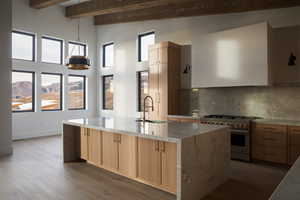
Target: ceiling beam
102	7
194	8
38	4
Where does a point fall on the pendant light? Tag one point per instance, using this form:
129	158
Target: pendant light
78	62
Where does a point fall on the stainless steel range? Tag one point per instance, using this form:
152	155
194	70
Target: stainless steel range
240	133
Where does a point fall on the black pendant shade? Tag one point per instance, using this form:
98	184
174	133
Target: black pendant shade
78	63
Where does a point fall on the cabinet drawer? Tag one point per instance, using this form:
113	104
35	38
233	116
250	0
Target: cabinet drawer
270	128
275	139
269	139
294	136
270	154
294	129
276	155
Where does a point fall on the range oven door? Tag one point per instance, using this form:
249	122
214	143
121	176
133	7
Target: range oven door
240	145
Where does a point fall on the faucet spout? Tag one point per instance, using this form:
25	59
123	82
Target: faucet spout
151	106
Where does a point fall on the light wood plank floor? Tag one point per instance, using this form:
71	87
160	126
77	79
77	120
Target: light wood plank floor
36	172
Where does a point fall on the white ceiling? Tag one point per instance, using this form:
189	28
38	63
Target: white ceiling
72	2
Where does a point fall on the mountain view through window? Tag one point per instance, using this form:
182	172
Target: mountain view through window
22	91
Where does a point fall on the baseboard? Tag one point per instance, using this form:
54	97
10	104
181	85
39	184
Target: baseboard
36	135
5	151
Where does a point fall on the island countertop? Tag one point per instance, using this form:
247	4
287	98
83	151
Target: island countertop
169	131
289	188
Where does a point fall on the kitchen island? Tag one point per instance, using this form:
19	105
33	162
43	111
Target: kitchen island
188	160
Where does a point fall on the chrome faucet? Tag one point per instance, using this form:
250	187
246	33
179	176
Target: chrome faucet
152	106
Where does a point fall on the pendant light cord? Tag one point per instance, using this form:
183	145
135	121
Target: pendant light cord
78	29
78	34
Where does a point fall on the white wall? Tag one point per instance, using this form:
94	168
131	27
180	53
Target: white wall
185	31
52	22
5	77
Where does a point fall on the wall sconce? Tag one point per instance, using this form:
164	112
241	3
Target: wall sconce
292	60
187	69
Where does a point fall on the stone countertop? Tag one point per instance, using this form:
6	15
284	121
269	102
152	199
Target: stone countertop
289	188
278	122
169	131
183	116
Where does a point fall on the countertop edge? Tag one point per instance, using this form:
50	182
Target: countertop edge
277	122
284	190
173	140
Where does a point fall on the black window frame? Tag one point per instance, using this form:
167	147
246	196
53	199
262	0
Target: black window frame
140	36
61	91
33	92
61	49
103	92
33	44
104	52
79	44
84	91
138	74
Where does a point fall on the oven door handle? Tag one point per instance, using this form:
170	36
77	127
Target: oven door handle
240	132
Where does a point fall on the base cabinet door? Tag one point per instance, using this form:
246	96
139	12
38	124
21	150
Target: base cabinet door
110	151
269	143
94	146
149	161
294	144
84	143
169	163
127	155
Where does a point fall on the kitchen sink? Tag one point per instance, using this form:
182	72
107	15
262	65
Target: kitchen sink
151	121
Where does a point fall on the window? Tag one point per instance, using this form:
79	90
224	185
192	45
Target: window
76	92
108	92
144	41
23	46
52	50
77	49
51	94
142	78
23	85
108	55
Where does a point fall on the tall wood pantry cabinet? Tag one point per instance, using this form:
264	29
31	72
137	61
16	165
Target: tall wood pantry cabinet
164	79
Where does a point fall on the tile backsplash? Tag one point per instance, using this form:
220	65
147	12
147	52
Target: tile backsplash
266	102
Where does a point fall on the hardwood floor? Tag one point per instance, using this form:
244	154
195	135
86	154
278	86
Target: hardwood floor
36	172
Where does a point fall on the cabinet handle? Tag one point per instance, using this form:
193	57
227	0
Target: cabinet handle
270	139
120	139
270	129
156	144
163	146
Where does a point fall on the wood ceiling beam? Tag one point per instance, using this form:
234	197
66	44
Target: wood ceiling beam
38	4
195	8
102	7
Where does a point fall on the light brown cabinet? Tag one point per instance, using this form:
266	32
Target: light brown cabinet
110	151
149	161
294	143
169	170
164	79
157	163
127	155
84	143
119	153
269	143
90	146
94	147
